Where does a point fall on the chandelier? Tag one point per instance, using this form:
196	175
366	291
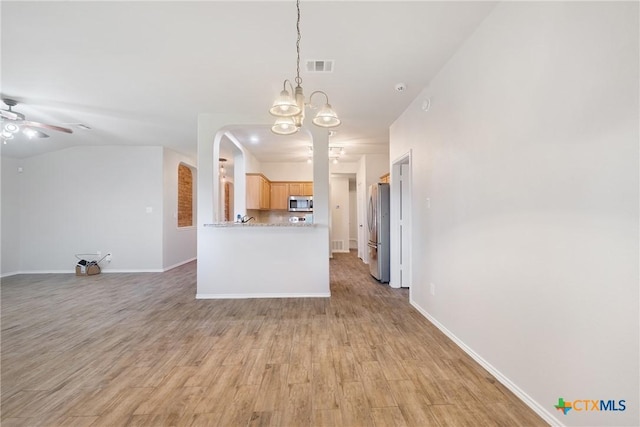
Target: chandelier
289	107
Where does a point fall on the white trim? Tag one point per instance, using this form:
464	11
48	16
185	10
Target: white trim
13	273
250	296
171	267
528	400
44	272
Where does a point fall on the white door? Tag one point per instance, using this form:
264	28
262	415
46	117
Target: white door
400	226
405	226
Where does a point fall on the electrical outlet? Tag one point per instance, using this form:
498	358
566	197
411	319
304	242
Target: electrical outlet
108	258
432	288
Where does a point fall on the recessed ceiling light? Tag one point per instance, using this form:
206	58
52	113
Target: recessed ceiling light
254	139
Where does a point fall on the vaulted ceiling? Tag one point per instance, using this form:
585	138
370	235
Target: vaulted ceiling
139	73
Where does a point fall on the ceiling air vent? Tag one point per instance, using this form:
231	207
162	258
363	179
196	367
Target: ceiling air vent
319	66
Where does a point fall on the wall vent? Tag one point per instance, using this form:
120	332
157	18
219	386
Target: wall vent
337	246
319	66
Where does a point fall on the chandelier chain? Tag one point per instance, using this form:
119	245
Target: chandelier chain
298	79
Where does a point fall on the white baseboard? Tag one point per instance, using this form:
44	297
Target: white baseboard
102	270
528	400
42	272
340	252
13	273
250	296
171	267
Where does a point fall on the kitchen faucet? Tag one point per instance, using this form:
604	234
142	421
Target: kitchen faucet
246	219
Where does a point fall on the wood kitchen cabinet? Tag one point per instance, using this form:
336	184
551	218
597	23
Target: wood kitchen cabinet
295	189
258	192
265	195
279	196
301	188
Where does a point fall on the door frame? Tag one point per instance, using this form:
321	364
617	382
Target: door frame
395	280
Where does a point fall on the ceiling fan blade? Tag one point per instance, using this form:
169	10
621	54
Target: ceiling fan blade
9	115
33	133
45	126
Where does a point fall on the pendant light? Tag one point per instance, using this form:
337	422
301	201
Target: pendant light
289	106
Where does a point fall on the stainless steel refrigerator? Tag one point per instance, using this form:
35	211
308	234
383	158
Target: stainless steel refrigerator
378	223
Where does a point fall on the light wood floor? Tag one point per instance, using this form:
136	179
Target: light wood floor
138	349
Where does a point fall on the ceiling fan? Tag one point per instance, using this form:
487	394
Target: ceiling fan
14	122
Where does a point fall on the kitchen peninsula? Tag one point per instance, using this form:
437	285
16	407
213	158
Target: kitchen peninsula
251	260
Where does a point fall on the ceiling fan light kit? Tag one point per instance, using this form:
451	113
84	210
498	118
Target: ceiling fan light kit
13	122
289	106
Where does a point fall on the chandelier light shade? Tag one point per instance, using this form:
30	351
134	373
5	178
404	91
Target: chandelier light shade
326	117
284	126
289	106
285	105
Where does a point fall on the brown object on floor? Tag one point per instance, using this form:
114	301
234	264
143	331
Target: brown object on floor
139	349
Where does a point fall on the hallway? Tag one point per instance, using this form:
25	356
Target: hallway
138	349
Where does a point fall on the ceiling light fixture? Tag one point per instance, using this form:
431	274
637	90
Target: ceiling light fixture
335	153
11	127
30	133
289	107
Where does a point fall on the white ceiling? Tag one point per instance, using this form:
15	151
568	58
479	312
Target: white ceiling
139	73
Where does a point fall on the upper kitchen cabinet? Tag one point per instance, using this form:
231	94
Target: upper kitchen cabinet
301	188
258	192
307	189
264	194
279	195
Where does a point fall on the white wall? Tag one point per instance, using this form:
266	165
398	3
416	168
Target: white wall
377	165
179	243
344	167
88	199
339	211
529	155
10	228
252	164
287	171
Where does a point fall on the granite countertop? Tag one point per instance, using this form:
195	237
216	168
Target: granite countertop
259	224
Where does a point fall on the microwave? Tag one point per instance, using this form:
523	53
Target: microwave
300	203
